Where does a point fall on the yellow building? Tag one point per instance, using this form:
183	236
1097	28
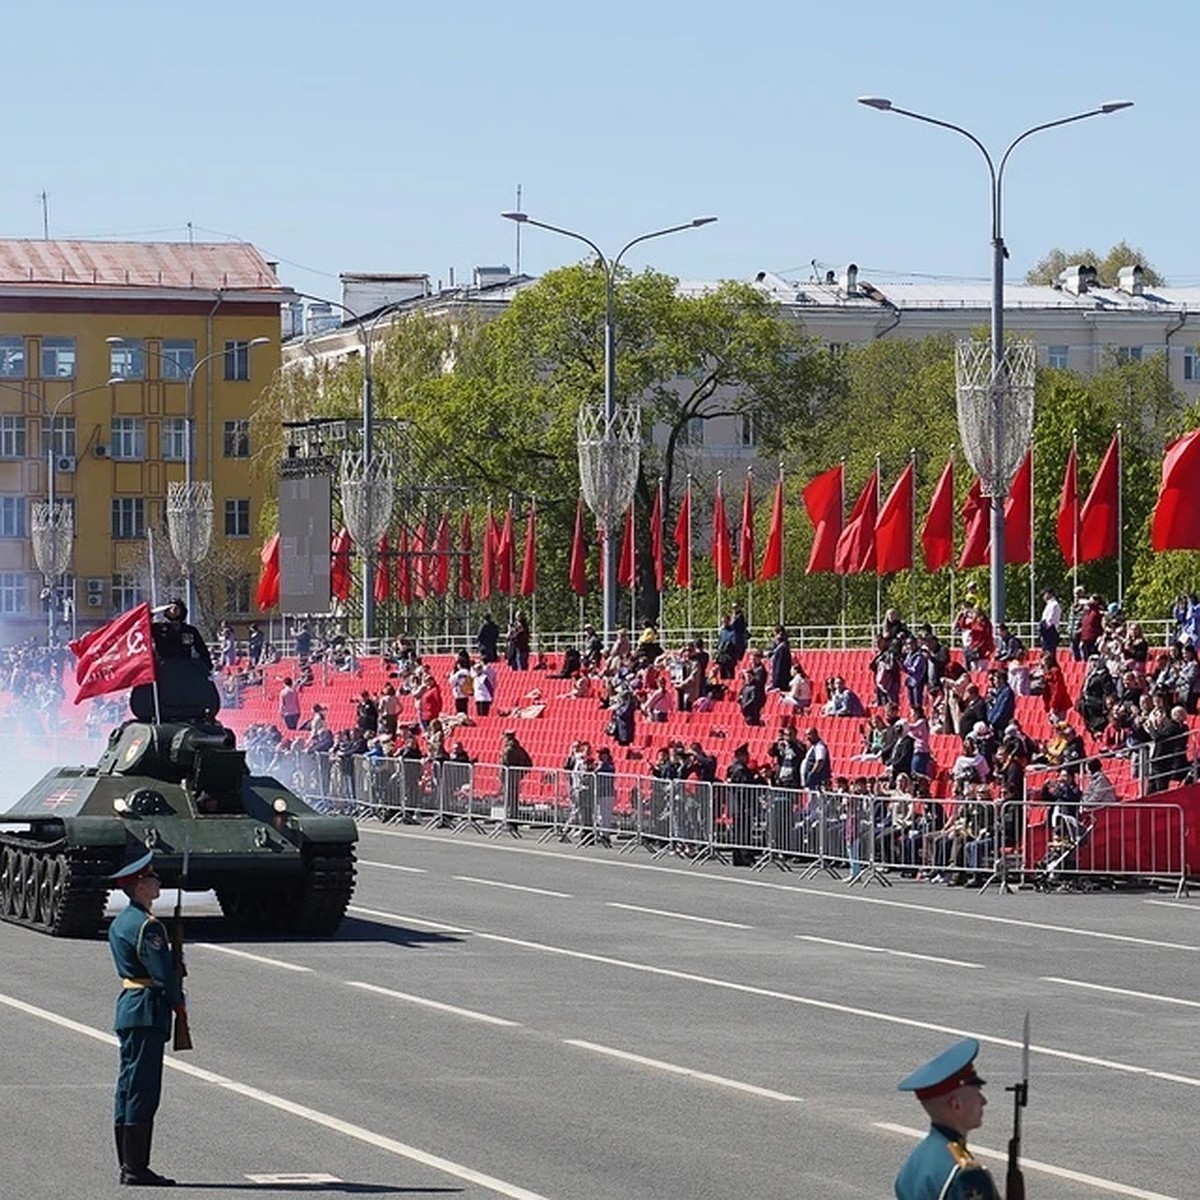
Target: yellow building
110	343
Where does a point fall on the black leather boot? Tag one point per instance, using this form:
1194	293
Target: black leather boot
136	1172
119	1132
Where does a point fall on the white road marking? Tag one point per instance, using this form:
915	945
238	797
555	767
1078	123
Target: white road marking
336	1124
512	887
740	881
301	1177
1032	1164
437	1004
437	926
747	989
678	916
950	962
1173	904
258	958
703	1076
366	862
1116	991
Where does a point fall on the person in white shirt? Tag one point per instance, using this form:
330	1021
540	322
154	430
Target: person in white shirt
1050	621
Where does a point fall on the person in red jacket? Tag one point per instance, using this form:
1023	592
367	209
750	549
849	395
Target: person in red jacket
1091	627
1055	697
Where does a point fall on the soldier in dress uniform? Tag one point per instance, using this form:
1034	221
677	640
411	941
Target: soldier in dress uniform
941	1167
151	991
175	638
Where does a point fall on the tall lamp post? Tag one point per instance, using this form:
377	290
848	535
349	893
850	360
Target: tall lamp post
608	457
190	507
994	421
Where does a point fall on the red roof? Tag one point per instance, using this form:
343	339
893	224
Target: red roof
207	266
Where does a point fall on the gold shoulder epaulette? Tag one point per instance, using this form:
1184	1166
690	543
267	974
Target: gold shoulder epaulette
962	1155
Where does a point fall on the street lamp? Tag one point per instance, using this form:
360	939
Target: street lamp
610	441
998	388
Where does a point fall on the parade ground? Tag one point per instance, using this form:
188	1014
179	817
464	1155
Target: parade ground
498	1017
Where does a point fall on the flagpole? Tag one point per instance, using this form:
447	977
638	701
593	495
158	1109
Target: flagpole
1075	516
633	566
153	606
781	541
912	559
691	572
656	539
1120	517
953	557
532	595
750	579
1033	613
716	556
842	576
878	577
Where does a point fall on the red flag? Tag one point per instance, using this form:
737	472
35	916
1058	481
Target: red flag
627	560
1098	518
656	539
116	656
856	545
1067	524
772	563
937	534
504	555
491	536
683	541
466	583
578	570
1018	515
266	595
441	564
722	554
529	565
894	526
1176	522
976	515
746	535
383	579
823	502
420	564
339	565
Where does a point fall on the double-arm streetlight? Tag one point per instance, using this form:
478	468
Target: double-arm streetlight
999	254
610	268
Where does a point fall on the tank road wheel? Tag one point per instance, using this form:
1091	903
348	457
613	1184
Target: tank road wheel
52	886
8	881
327	890
255	910
27	884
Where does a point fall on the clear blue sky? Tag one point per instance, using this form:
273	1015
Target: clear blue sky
386	135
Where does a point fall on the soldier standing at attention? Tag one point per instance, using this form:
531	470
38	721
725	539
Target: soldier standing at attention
150	993
175	638
941	1167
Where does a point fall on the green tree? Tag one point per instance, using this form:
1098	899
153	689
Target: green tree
1047	269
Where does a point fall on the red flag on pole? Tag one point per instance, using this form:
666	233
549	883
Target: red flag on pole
772	563
746	535
1018	515
722	553
504	555
404	571
420	561
466	582
976	515
1176	522
627	559
529	565
683	541
266	595
491	535
937	534
656	538
339	565
383	579
116	656
894	526
1067	523
578	570
441	562
856	546
1098	532
823	502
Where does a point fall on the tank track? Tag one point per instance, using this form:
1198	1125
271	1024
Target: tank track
313	907
54	888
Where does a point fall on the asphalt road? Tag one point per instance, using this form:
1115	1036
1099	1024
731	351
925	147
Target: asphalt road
513	1019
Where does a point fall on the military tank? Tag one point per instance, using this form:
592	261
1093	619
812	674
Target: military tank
172	780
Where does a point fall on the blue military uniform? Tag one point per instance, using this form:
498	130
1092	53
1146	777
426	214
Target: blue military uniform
942	1167
150	993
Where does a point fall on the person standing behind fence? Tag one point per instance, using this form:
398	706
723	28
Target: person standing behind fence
816	770
514	763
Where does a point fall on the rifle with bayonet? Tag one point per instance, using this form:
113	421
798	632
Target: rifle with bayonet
1014	1180
182	1037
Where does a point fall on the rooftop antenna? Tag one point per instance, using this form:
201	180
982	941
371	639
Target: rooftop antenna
518	225
44	197
189	229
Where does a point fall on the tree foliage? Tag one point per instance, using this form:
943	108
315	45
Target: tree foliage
1047	269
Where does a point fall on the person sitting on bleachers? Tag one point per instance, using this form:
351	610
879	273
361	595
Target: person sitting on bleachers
799	692
572	664
752	695
657	704
843	701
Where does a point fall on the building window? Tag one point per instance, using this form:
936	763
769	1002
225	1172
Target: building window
12	436
746	430
14	594
237	594
178	358
237	518
1056	356
127	359
126	592
237	439
128	438
237	360
174	439
12	357
58	358
1128	354
12	517
128	517
1191	366
691	433
64	435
